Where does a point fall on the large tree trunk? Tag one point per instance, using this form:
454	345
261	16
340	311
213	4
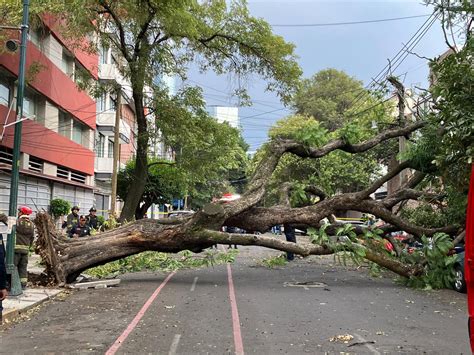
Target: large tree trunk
140	173
65	259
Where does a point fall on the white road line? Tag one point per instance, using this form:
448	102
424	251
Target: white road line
194	284
369	346
174	344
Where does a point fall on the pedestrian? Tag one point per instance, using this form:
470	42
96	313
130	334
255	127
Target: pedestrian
92	219
25	233
81	229
3	270
290	237
72	219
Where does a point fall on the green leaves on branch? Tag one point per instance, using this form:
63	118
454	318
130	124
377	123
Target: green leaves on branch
152	261
208	153
439	266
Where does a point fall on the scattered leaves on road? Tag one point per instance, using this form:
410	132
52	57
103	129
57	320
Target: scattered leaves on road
344	338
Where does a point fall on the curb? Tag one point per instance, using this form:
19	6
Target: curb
11	314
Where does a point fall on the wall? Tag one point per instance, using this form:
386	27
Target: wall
48	145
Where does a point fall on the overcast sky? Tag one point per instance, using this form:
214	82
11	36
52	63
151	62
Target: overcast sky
360	50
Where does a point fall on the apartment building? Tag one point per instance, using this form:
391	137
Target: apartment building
57	157
107	106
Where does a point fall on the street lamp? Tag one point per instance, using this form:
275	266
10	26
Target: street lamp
15	285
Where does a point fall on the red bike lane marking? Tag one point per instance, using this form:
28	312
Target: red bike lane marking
239	346
116	345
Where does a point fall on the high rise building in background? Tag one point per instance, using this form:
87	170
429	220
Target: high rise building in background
226	114
57	157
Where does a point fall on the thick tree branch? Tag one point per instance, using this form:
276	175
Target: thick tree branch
118	23
307	152
414	180
143	31
390	175
316	191
409	194
305	249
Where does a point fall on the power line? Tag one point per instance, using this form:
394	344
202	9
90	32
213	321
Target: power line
398	58
348	23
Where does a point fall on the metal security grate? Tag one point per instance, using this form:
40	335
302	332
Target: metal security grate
6	156
78	177
35	165
63	172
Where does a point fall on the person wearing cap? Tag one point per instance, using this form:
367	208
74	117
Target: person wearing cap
25	233
72	219
81	229
92	219
3	270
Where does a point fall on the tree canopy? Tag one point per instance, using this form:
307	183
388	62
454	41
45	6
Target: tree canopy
158	37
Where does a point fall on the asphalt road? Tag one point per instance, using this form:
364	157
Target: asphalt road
194	313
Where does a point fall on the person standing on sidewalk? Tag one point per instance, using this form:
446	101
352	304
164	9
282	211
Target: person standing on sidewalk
25	233
3	270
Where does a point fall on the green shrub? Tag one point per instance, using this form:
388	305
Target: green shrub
59	207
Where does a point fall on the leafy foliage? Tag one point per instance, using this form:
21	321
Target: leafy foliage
152	261
274	261
59	207
208	153
165	182
439	266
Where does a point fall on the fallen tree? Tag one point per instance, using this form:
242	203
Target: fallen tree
66	258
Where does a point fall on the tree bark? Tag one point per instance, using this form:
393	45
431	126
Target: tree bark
140	173
65	259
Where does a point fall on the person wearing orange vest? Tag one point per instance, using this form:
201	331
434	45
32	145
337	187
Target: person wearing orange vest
25	232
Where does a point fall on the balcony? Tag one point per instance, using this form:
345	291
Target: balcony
109	72
104	165
106	124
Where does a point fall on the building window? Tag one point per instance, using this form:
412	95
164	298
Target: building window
29	107
110	149
104	55
36	37
100	145
113	102
77	132
4	93
67	63
64	126
101	107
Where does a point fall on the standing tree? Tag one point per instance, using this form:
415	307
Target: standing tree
160	37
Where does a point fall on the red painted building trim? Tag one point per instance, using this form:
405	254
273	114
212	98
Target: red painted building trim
48	145
55	85
89	60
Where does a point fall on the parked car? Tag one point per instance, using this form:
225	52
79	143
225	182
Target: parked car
459	277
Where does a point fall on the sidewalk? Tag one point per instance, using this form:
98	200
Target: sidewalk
14	306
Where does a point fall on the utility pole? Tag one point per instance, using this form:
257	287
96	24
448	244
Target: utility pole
15	286
118	116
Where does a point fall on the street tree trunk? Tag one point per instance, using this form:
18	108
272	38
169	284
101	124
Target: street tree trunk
140	173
